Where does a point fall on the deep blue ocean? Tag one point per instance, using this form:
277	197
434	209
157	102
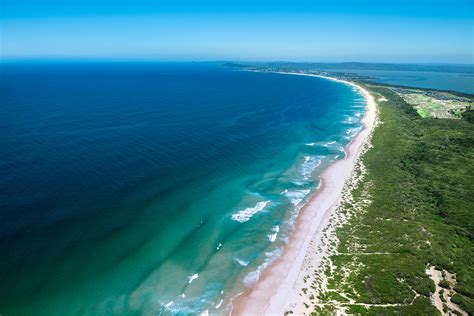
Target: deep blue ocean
154	188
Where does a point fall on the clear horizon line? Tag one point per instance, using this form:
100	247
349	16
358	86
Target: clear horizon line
267	61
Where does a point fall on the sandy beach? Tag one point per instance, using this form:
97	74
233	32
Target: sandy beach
279	286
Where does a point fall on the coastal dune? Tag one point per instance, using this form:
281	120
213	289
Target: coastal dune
277	289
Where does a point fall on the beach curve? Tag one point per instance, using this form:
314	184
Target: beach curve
277	287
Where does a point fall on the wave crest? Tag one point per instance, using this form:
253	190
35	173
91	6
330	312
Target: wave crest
244	215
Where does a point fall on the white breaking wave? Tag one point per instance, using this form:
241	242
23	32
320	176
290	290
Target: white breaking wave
243	263
193	277
357	130
244	215
219	304
310	163
275	230
351	119
299	182
295	196
205	313
169	304
252	277
351	132
326	144
322	144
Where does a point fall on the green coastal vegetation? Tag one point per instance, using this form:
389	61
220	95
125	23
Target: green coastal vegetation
417	192
412	211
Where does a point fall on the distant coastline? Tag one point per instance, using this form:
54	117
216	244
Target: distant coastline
448	78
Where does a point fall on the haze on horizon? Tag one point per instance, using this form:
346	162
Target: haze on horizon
437	31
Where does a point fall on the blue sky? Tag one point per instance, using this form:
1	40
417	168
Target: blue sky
429	31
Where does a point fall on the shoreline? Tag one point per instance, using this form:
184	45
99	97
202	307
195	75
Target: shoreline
277	289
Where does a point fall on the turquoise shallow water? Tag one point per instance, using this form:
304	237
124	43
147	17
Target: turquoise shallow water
148	188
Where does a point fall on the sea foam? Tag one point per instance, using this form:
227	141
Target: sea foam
275	230
350	120
244	215
219	304
252	277
193	277
295	196
243	263
310	163
322	144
